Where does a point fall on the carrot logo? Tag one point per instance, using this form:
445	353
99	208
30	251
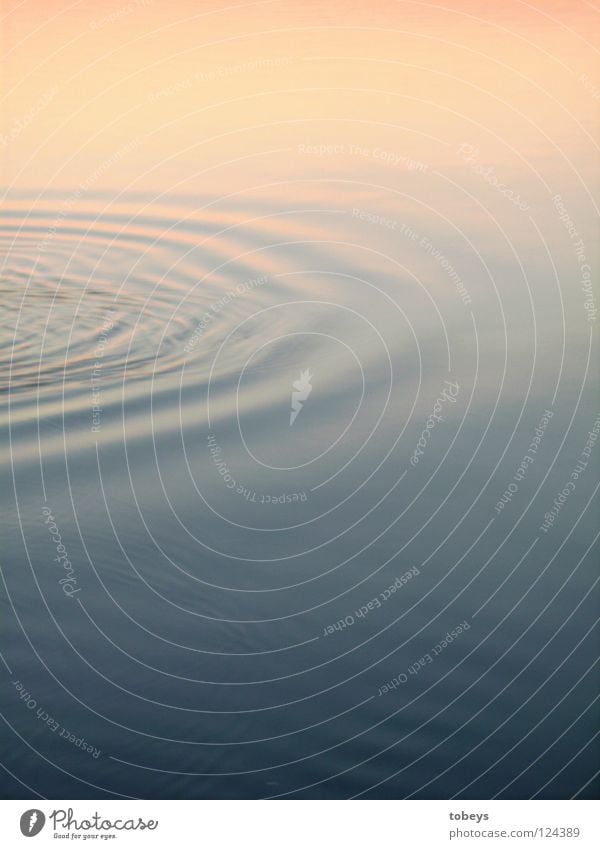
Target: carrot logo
301	390
32	822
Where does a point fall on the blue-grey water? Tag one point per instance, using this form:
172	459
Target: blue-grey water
274	484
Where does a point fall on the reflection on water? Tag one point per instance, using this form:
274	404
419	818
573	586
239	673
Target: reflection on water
299	469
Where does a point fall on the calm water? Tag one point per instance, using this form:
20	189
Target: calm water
299	445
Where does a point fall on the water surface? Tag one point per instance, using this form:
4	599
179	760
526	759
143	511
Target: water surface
299	411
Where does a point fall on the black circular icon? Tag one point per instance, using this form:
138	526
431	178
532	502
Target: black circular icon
32	822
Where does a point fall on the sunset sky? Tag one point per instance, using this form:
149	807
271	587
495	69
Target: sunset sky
189	95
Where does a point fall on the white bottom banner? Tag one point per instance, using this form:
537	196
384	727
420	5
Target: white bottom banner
298	824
